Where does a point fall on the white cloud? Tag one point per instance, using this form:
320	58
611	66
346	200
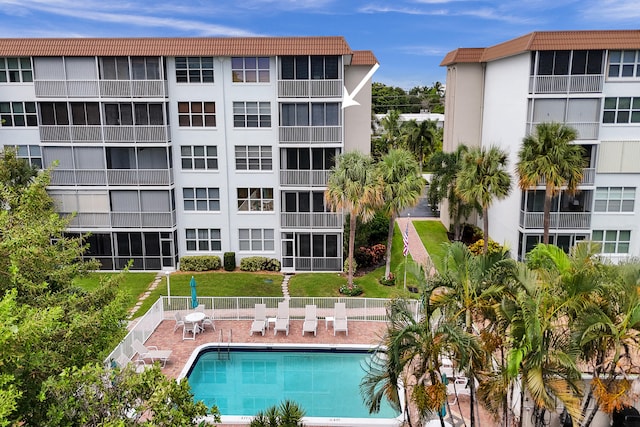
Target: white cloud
423	50
616	10
491	14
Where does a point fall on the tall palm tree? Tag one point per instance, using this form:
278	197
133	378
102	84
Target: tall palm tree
548	156
422	139
352	186
484	178
401	186
445	168
391	129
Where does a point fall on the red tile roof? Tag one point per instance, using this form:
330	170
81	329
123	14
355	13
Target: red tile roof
549	40
363	57
241	46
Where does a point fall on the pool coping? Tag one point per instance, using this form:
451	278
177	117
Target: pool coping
309	421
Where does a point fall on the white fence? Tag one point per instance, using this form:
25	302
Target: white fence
242	308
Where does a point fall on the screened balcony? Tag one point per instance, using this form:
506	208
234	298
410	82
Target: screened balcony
585	130
590	83
317	264
567	211
557	220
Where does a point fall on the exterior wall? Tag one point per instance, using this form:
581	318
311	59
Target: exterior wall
357	118
505	112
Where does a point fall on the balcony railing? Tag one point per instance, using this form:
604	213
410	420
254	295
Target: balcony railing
310	88
306	178
311	134
585	130
104	88
311	220
588	177
139	176
122	219
557	220
318	264
138	133
589	83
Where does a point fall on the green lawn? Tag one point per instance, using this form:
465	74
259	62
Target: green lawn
134	284
433	236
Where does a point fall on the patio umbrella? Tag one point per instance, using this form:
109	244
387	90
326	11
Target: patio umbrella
194	297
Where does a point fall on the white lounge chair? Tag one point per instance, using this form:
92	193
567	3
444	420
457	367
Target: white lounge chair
179	321
123	361
282	318
310	320
151	352
259	323
340	318
208	320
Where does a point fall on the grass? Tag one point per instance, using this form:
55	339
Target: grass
134	284
433	235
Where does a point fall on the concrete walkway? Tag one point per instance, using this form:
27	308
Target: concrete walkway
416	248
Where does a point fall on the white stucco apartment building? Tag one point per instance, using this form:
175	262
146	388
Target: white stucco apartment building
589	80
169	147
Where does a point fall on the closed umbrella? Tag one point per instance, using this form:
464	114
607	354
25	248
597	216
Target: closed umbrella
194	296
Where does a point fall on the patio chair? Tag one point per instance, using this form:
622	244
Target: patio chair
208	320
189	328
259	323
123	361
151	352
310	320
179	321
282	318
340	318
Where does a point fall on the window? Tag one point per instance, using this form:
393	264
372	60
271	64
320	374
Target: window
201	199
203	157
32	153
203	239
615	199
624	63
15	70
148	114
118	114
621	110
197	114
145	68
612	241
253	157
54	113
85	113
18	114
565	62
256	239
251	114
255	199
194	69
322	114
250	69
114	68
308	158
310	67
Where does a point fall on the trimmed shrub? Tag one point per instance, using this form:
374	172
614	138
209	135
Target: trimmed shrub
478	247
346	265
259	263
200	263
351	291
229	261
391	281
370	256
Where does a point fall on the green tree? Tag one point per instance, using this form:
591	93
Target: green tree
445	168
95	396
484	178
422	139
385	98
391	135
548	157
352	187
15	173
287	414
401	185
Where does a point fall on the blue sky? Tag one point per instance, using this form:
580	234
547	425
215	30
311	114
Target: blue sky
409	37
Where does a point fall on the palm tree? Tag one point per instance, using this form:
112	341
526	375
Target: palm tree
287	414
548	156
445	168
391	129
401	186
484	178
352	187
422	139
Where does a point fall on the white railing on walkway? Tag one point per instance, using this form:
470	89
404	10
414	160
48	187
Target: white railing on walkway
242	308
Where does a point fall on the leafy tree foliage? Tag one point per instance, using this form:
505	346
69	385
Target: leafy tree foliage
97	396
386	98
287	414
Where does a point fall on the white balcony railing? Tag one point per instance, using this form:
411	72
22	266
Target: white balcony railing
104	88
318	264
311	220
588	177
310	88
585	130
311	134
313	178
589	83
142	219
139	176
66	88
557	220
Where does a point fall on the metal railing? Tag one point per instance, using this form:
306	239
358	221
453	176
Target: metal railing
588	177
311	219
310	88
586	83
557	220
585	130
305	134
97	88
242	308
314	178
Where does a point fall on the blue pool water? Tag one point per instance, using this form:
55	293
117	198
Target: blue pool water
324	383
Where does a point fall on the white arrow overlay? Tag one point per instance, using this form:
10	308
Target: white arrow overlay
347	99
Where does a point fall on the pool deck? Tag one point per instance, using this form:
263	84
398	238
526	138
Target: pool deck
165	338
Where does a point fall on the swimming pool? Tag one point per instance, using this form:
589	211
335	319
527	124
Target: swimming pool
323	380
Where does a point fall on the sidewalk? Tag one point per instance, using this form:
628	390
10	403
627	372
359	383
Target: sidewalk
416	248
